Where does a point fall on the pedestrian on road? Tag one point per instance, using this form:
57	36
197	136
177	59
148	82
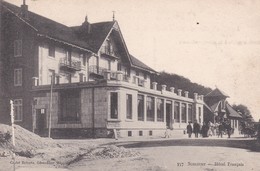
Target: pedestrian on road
228	127
189	130
220	129
204	130
196	128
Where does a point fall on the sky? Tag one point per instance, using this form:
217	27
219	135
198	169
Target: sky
213	43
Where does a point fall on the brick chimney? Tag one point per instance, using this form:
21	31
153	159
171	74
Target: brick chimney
24	10
86	25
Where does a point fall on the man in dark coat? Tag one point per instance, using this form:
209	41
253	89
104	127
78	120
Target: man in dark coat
189	130
204	130
229	129
220	129
196	129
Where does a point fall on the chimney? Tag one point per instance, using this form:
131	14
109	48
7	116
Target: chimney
186	94
195	96
24	10
172	89
87	25
163	87
179	92
154	85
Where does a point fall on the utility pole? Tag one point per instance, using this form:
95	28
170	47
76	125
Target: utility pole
50	112
12	125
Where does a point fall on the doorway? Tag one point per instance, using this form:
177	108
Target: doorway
40	121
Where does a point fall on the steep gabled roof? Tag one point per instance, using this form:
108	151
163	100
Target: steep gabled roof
231	112
216	93
97	35
214	107
47	27
137	63
92	41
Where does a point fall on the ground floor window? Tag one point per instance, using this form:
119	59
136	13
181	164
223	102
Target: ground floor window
150	108
70	106
160	110
129	106
189	113
177	112
114	105
140	102
18	109
183	113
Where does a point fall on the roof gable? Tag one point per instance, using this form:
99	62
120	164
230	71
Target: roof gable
217	93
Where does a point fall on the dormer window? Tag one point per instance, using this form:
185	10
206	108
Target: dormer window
52	51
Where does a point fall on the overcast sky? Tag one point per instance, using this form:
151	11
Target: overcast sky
213	43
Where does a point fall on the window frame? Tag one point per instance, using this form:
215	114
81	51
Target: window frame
18	77
150	111
140	116
160	110
129	106
18	107
51	51
115	107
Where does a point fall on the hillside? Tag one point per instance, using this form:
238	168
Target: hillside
180	82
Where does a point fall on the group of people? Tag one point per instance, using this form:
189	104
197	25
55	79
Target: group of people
209	129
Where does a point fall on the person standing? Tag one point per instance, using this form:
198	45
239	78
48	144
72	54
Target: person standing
228	127
204	130
189	130
196	129
220	130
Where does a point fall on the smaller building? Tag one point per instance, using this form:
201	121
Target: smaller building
217	109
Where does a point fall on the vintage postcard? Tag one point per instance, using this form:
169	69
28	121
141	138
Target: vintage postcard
129	85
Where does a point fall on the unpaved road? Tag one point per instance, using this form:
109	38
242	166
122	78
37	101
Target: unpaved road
164	155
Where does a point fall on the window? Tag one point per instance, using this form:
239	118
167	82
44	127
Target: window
17	48
160	110
81	77
183	113
129	106
129	133
114	105
150	108
140	133
51	76
51	51
18	109
150	133
119	66
140	103
18	77
177	112
190	113
70	106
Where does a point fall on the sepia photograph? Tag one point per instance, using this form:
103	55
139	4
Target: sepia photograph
124	85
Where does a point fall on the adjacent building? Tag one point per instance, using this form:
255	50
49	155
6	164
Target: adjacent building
217	109
82	81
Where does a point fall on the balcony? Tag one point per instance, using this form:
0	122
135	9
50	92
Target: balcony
70	65
100	72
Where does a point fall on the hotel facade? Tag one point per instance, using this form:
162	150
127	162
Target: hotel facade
82	82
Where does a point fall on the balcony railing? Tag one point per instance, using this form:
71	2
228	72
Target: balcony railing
100	71
71	65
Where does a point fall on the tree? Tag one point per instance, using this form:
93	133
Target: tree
244	111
